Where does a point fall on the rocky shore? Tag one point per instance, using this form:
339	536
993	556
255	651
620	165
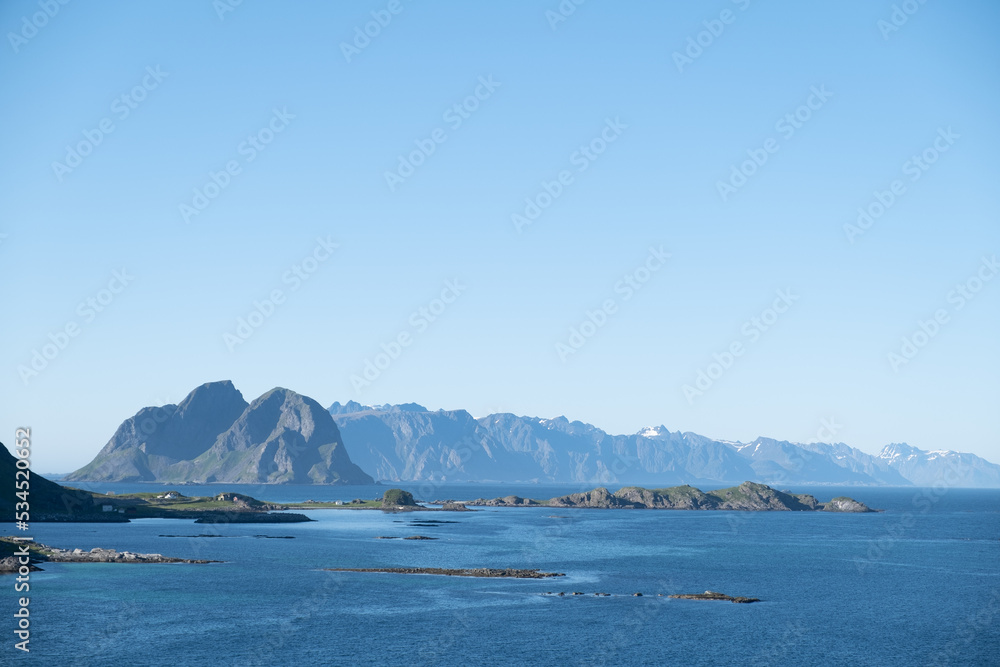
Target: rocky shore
505	573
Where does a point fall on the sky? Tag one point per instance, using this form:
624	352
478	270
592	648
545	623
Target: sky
739	219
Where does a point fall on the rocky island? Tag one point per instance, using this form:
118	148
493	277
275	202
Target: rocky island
747	497
712	595
11	561
501	573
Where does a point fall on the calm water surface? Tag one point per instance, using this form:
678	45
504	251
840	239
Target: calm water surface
918	584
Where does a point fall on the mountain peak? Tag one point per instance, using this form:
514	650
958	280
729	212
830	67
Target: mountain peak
348	408
352	407
897	450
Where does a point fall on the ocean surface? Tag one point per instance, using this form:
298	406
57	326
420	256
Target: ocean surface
917	584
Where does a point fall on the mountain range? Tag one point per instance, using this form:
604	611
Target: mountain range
214	435
410	443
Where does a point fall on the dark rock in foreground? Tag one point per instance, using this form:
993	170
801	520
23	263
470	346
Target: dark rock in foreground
748	497
712	595
506	573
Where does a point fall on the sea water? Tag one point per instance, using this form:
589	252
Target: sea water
917	584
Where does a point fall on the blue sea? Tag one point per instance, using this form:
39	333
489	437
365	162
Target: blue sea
917	584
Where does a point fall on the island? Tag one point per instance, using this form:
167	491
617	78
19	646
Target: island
12	558
747	497
500	573
712	595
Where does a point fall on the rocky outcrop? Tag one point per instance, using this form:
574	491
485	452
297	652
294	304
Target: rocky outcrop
98	555
747	497
398	498
845	504
506	501
40	553
505	573
712	595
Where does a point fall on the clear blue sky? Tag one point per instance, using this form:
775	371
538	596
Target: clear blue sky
678	128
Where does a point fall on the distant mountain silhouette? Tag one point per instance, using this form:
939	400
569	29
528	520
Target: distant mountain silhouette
408	443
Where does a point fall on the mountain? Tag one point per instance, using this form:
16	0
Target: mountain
215	436
410	443
146	445
420	445
923	468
